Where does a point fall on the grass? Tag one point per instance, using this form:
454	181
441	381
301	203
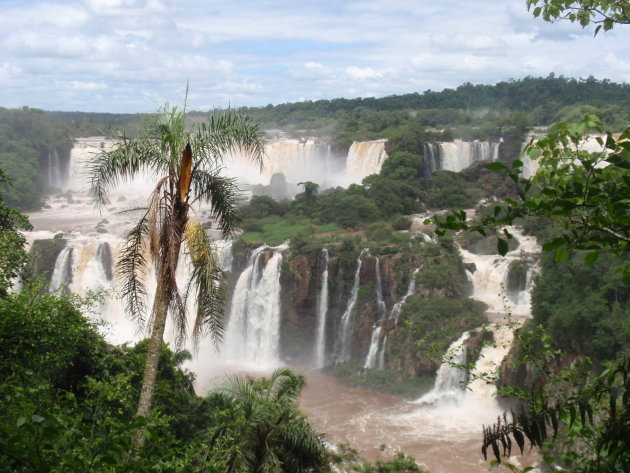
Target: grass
276	230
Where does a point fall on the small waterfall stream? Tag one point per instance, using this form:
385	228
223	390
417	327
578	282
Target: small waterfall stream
344	342
376	354
377	329
319	359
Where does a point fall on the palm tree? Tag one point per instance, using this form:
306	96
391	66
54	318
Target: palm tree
189	164
265	432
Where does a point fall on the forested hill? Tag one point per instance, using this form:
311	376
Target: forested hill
543	100
526	94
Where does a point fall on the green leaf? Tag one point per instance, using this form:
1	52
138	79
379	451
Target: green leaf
20	422
561	255
590	258
534	153
496	166
37	418
517	163
552	245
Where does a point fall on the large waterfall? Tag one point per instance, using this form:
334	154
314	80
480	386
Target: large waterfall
365	158
457	155
252	333
590	144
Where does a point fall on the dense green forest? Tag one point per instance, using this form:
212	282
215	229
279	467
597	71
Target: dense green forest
30	140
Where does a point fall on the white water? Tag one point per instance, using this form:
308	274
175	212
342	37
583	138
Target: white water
344	346
376	354
458	155
451	380
253	331
319	359
365	158
490	277
372	356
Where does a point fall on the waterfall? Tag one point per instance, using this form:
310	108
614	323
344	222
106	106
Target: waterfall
379	355
365	158
55	175
104	257
490	276
344	345
62	273
225	257
377	329
432	161
322	310
297	159
253	330
458	155
372	356
451	380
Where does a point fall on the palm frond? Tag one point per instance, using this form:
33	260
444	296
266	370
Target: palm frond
205	283
287	386
156	208
125	161
226	134
222	195
131	268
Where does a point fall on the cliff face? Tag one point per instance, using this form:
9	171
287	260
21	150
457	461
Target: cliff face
378	322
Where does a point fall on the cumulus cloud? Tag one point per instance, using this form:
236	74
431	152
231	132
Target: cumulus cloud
362	73
131	55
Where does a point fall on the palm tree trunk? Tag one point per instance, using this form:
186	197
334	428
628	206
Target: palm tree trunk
163	295
149	377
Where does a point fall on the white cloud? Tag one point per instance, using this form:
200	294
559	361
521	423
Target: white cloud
81	85
115	55
362	73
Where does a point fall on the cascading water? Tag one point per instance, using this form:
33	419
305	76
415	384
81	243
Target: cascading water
56	177
319	358
489	279
451	380
393	315
365	158
253	331
457	155
62	272
344	342
377	329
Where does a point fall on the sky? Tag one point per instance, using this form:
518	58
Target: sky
136	55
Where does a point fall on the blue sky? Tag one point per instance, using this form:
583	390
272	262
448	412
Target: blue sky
134	55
